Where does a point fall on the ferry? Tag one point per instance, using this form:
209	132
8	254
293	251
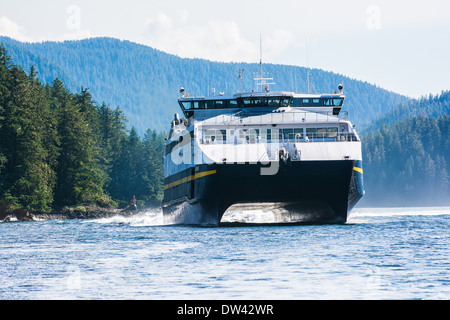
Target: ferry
295	154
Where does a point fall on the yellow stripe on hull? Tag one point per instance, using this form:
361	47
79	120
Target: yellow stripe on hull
358	170
189	178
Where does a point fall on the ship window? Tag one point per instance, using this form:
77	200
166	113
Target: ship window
338	102
276	134
298	133
242	136
321	133
284	102
332	132
209	104
269	134
265	134
253	134
247	101
273	102
296	102
220	104
187	105
317	102
265	102
311	133
215	136
198	105
307	102
234	104
327	102
288	134
224	135
261	102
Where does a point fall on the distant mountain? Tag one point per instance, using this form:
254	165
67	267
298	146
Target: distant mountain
144	82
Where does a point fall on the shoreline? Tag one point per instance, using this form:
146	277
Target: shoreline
78	212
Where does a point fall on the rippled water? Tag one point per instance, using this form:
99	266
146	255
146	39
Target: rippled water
380	254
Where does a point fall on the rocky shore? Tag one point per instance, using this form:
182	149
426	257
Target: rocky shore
9	213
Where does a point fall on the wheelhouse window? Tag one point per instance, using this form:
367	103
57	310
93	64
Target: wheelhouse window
210	104
273	102
307	102
327	102
187	105
260	102
284	102
296	102
317	102
220	104
234	104
337	102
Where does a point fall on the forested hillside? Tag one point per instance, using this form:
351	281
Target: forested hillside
407	160
144	82
59	148
432	105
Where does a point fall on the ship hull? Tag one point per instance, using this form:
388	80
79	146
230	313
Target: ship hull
321	192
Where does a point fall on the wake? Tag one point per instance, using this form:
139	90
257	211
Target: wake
154	217
402	211
148	218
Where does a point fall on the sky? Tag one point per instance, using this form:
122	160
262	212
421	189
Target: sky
399	45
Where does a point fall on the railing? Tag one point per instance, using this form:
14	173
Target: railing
269	118
280	138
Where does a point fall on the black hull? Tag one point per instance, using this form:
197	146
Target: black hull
304	191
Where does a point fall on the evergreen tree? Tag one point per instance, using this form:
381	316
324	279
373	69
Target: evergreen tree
128	171
58	148
112	134
407	163
80	179
28	179
5	65
153	166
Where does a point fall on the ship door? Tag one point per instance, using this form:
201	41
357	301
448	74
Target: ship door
192	186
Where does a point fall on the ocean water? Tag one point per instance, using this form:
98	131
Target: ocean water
379	254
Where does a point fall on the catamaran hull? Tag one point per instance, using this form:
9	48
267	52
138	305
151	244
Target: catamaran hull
309	192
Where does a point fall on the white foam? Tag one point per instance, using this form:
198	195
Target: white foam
11	219
248	216
411	211
143	219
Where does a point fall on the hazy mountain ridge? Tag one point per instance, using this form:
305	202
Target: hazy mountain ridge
428	106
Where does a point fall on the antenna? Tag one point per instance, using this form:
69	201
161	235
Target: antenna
260	55
262	81
240	76
307	66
